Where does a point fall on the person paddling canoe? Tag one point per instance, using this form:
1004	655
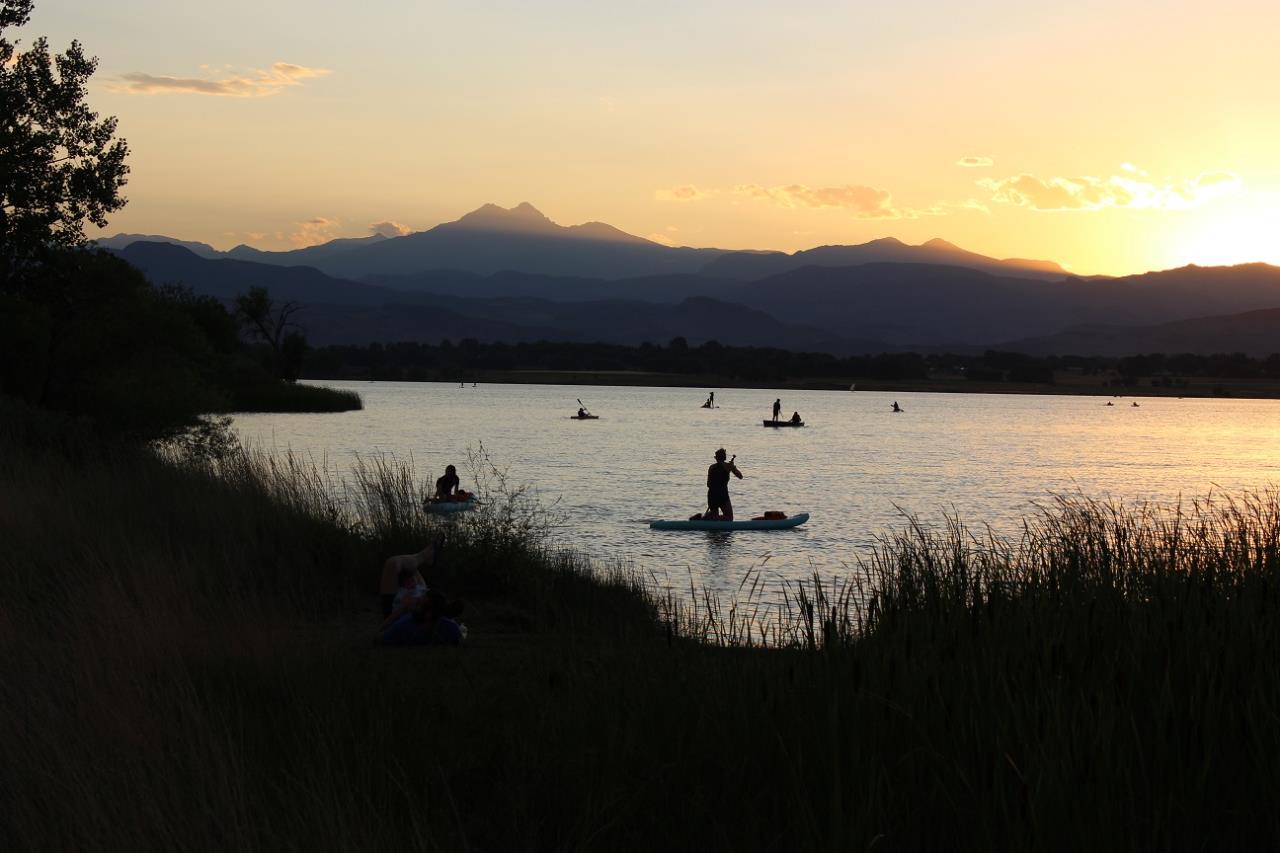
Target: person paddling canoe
718	504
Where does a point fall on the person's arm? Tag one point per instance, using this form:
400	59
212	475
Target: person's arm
734	469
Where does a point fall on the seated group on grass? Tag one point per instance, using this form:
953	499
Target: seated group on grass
414	614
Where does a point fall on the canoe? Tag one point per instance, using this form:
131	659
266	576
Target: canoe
744	524
448	506
783	424
584	417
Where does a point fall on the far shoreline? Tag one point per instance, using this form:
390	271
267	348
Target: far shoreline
1069	384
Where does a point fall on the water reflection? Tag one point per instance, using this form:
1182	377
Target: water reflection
987	458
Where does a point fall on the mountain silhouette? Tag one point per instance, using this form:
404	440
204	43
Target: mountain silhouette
925	305
341	311
894	305
308	256
749	266
122	241
491	239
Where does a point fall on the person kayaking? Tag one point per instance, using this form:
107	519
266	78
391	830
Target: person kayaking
718	505
896	407
582	413
777	408
795	417
447	486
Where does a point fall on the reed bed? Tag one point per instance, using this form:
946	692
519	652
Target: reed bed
185	664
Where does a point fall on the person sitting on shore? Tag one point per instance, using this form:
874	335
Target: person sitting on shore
390	585
795	417
432	621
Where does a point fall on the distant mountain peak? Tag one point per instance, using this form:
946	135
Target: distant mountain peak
524	209
939	243
492	217
885	241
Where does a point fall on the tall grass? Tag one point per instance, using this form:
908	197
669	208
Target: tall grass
185	664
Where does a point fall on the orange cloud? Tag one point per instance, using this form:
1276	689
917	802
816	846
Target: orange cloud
684	192
390	229
313	232
1117	191
254	84
659	237
975	162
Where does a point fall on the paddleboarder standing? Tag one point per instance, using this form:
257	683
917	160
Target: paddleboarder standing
718	506
777	408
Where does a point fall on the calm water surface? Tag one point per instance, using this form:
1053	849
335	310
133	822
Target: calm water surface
855	468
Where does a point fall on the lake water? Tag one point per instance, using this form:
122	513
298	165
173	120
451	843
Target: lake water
856	466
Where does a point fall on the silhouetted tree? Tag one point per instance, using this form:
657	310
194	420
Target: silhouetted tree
60	165
273	326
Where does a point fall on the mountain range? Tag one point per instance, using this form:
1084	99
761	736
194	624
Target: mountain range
493	239
594	282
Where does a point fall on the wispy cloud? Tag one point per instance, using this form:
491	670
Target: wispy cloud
684	192
313	232
865	202
256	83
975	162
390	229
1116	191
659	237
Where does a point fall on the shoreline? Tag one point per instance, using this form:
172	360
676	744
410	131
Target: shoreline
1066	385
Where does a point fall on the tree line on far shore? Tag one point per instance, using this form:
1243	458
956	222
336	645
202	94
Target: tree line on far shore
450	360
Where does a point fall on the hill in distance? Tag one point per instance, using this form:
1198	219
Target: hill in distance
750	266
837	309
1254	333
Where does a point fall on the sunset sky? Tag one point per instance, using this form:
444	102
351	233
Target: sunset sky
1112	137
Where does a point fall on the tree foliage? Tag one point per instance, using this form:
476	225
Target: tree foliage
60	164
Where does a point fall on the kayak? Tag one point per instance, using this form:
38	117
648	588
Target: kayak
784	423
448	506
744	524
584	417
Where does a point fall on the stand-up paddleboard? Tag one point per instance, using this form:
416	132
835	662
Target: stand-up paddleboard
745	524
784	423
448	506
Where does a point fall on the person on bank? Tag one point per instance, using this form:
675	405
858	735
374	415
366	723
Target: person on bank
777	408
719	508
402	581
431	621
